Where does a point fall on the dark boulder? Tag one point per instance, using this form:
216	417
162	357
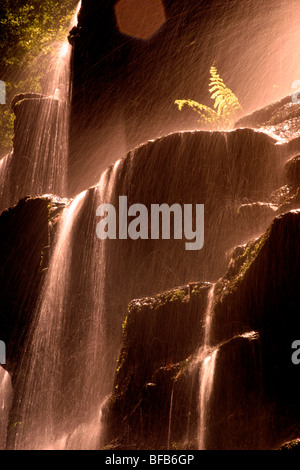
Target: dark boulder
254	398
262	293
27	96
281	119
26	232
292	170
159	335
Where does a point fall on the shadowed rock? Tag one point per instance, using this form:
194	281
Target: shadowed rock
38	163
158	334
254	401
25	240
292	169
281	119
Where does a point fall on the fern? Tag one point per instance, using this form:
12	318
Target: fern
206	113
226	104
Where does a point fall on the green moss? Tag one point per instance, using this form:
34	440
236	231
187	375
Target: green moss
175	295
124	325
252	252
248	257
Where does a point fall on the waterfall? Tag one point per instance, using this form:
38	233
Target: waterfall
38	162
5	401
60	84
206	386
64	390
170	419
5	181
66	366
37	409
208	358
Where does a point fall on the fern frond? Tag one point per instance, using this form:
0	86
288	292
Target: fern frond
199	108
207	114
226	104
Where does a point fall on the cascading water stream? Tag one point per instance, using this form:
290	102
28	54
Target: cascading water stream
170	419
38	162
37	409
4	181
67	359
206	386
5	401
208	358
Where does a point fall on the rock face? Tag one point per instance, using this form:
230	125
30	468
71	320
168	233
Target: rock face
254	400
124	88
263	295
157	383
38	163
160	334
274	114
281	119
25	238
292	446
26	96
292	169
223	171
237	413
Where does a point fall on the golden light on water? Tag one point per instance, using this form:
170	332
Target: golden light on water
64	49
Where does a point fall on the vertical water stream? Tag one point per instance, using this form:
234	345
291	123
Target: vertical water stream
208	357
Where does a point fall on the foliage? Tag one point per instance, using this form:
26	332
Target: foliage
29	27
226	104
30	32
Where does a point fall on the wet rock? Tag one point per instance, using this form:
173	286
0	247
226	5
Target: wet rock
220	170
278	246
237	258
160	333
291	446
26	232
272	114
263	295
253	217
38	163
280	195
281	119
236	405
254	399
74	34
291	202
5	401
133	102
292	170
22	96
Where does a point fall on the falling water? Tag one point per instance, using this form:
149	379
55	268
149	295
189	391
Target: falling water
37	413
206	385
67	364
170	419
60	84
5	181
38	162
5	401
208	358
66	359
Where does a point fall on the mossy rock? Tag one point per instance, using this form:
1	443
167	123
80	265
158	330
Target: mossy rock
160	336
